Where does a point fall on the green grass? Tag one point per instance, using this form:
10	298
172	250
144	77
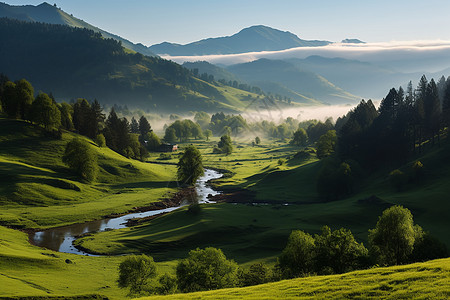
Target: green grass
26	270
429	280
38	191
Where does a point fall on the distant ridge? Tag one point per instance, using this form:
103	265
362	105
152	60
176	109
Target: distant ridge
46	13
352	41
252	39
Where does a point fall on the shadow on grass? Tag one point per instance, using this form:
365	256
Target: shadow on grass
146	185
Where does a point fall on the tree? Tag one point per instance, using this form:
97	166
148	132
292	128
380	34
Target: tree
66	115
144	126
208	134
152	141
338	252
81	158
203	119
326	144
25	97
206	269
297	258
45	112
392	239
134	126
257	273
257	140
300	137
190	166
170	135
135	271
100	140
225	144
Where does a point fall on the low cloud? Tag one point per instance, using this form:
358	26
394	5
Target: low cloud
407	56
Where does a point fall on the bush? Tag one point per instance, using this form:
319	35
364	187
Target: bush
297	259
206	269
165	156
258	273
167	285
135	271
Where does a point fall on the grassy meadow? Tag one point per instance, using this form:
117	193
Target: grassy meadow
428	280
38	191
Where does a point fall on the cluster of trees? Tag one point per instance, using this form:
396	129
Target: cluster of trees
203	269
182	130
394	240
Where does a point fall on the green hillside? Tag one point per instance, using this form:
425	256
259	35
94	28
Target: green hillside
37	190
429	280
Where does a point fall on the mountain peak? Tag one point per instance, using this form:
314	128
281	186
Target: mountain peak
251	39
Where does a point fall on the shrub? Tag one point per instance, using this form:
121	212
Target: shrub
100	140
80	158
135	271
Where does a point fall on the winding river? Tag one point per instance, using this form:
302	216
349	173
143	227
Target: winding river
61	238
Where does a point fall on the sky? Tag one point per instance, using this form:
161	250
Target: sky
183	21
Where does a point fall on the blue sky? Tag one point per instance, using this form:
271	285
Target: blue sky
184	21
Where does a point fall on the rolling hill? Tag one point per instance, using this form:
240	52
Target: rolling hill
252	39
71	63
46	13
265	73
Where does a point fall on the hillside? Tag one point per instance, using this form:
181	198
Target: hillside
46	13
429	280
252	39
71	63
265	72
38	190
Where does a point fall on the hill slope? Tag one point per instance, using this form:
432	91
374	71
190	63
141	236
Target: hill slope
46	13
429	280
72	63
251	39
265	72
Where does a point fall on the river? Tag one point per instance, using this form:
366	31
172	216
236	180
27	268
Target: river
61	238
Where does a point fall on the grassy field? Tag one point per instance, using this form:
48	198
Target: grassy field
429	280
26	270
38	191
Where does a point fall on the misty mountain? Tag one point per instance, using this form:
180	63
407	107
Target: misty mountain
251	39
267	73
76	63
210	69
361	78
271	87
46	13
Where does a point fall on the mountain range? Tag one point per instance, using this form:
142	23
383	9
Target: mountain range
252	39
51	14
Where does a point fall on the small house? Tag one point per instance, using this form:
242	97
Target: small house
167	147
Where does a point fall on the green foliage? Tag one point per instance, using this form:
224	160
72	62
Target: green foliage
190	166
208	134
167	284
165	156
203	119
44	111
392	240
326	144
337	179
297	259
427	247
170	135
81	158
100	140
338	252
17	98
135	271
257	140
257	273
144	126
66	115
152	141
225	145
300	137
206	269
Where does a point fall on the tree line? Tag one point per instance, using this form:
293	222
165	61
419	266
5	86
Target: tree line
394	240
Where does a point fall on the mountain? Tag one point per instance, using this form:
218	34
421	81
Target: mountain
46	13
252	39
265	73
361	78
210	69
71	62
352	41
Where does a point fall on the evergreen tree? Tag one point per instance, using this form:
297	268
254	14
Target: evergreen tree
134	126
144	126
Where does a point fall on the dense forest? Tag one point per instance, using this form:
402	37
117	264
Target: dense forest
74	62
